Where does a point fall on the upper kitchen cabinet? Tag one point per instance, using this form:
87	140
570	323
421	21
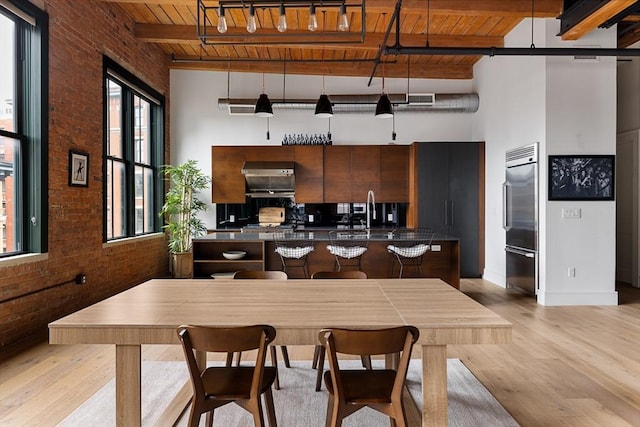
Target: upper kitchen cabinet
309	172
394	174
449	196
337	174
365	172
228	183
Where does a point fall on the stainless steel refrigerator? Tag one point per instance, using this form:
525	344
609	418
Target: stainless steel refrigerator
520	218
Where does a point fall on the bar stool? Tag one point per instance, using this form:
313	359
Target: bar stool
294	248
347	247
408	248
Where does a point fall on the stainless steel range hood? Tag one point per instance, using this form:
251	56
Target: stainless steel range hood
269	179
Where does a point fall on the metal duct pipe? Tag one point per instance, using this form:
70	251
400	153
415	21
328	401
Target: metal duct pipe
443	102
508	51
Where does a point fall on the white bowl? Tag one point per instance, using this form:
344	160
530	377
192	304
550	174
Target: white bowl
234	254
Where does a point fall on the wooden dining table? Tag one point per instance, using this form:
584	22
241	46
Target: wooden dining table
151	312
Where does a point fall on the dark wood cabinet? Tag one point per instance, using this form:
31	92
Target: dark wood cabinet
324	174
228	183
394	174
309	172
450	197
337	174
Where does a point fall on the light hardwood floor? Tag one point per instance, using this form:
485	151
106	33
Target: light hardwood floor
567	366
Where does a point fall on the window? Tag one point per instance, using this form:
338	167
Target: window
134	147
23	128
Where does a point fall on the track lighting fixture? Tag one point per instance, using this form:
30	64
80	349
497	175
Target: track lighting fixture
348	28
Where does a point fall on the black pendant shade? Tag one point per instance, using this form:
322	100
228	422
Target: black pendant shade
384	110
323	107
263	106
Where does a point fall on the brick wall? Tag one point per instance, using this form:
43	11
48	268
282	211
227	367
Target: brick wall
34	294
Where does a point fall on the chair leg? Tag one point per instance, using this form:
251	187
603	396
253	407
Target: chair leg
238	358
320	367
285	355
366	361
209	419
229	359
271	411
316	353
274	362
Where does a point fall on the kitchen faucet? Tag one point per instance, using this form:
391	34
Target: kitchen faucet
371	200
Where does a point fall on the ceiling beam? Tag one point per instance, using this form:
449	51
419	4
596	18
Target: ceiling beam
185	34
516	8
587	15
351	69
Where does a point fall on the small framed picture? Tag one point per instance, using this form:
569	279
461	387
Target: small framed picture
581	177
78	169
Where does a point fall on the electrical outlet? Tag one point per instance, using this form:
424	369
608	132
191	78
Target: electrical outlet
310	218
571	272
81	279
436	248
390	217
232	218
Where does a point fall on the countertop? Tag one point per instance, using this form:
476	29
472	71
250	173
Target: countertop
320	235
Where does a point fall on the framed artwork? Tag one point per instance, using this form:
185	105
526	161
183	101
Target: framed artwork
581	177
78	169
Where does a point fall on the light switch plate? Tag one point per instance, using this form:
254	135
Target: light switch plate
572	213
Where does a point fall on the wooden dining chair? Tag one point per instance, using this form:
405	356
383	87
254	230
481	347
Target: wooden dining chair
380	389
216	386
266	275
349	274
260	274
318	353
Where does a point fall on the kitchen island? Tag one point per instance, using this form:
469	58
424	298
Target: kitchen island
442	261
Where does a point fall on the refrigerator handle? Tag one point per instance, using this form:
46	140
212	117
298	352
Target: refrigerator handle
451	208
505	206
446	213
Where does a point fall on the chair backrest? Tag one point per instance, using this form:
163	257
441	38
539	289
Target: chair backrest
259	274
409	238
224	340
348	238
348	274
369	342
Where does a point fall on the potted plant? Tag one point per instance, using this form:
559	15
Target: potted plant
180	211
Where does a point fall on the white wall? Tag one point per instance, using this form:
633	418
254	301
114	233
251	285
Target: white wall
627	161
569	107
511	114
197	123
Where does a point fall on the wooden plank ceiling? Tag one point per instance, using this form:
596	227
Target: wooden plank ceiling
439	23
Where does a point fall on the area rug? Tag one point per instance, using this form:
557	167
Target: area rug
297	403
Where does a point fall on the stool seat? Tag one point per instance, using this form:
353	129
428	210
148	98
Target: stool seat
408	248
294	248
348	247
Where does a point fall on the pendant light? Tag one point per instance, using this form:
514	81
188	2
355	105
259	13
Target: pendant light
384	110
282	20
222	21
252	26
312	24
263	106
343	22
324	109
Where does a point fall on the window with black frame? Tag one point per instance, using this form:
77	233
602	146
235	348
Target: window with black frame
134	147
23	128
